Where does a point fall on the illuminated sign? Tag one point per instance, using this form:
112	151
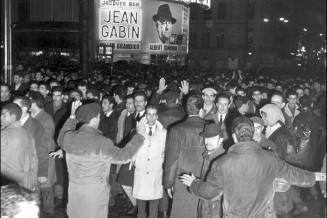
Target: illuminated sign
117	23
204	3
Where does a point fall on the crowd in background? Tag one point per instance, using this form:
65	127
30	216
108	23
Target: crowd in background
292	98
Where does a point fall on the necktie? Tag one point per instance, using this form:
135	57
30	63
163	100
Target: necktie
221	120
137	117
150	132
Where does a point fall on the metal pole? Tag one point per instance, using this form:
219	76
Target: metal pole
246	41
6	42
9	43
112	60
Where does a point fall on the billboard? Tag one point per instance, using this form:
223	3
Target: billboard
167	27
142	26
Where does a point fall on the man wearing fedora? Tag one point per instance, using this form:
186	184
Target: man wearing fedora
164	23
213	138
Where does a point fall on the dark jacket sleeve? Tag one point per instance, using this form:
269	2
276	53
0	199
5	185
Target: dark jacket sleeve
173	147
42	152
213	186
293	175
124	155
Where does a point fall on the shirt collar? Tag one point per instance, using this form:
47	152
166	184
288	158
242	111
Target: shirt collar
140	113
23	121
108	113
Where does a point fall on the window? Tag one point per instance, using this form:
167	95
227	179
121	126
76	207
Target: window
251	9
220	38
207	14
192	39
206	39
251	36
221	10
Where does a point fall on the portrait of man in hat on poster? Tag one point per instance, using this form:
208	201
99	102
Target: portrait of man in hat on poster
164	21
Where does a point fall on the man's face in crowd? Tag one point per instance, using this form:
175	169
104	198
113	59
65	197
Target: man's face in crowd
212	143
90	96
43	90
306	92
208	98
299	92
223	105
38	76
57	97
151	116
264	95
5	93
17	79
316	85
270	86
164	28
130	90
53	84
244	109
27	78
139	103
257	96
323	87
34	87
257	132
277	100
240	93
130	105
279	88
292	99
75	95
82	89
106	106
7	119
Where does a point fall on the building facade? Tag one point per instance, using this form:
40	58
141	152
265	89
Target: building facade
226	36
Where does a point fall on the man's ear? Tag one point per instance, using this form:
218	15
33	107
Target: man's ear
220	140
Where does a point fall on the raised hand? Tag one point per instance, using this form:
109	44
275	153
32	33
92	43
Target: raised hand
185	87
75	105
162	85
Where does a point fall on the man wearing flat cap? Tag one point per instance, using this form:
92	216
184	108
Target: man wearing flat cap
209	108
164	23
213	138
89	156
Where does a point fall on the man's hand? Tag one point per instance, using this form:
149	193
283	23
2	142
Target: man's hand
59	154
170	192
185	87
42	179
320	176
187	179
162	85
141	127
75	105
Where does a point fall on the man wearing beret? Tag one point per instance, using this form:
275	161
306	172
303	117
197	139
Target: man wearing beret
209	95
89	156
213	138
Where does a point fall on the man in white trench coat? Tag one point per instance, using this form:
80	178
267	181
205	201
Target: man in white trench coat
149	165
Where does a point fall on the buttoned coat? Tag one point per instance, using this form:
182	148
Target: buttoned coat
149	166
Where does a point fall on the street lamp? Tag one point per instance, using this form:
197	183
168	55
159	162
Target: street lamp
320	34
266	20
281	18
305	30
285	21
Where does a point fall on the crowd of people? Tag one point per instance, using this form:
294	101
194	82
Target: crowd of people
190	143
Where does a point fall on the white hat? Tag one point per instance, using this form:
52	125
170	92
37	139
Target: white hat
209	90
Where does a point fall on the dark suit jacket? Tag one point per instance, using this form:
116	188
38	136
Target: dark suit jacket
126	176
108	126
59	117
23	87
37	131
